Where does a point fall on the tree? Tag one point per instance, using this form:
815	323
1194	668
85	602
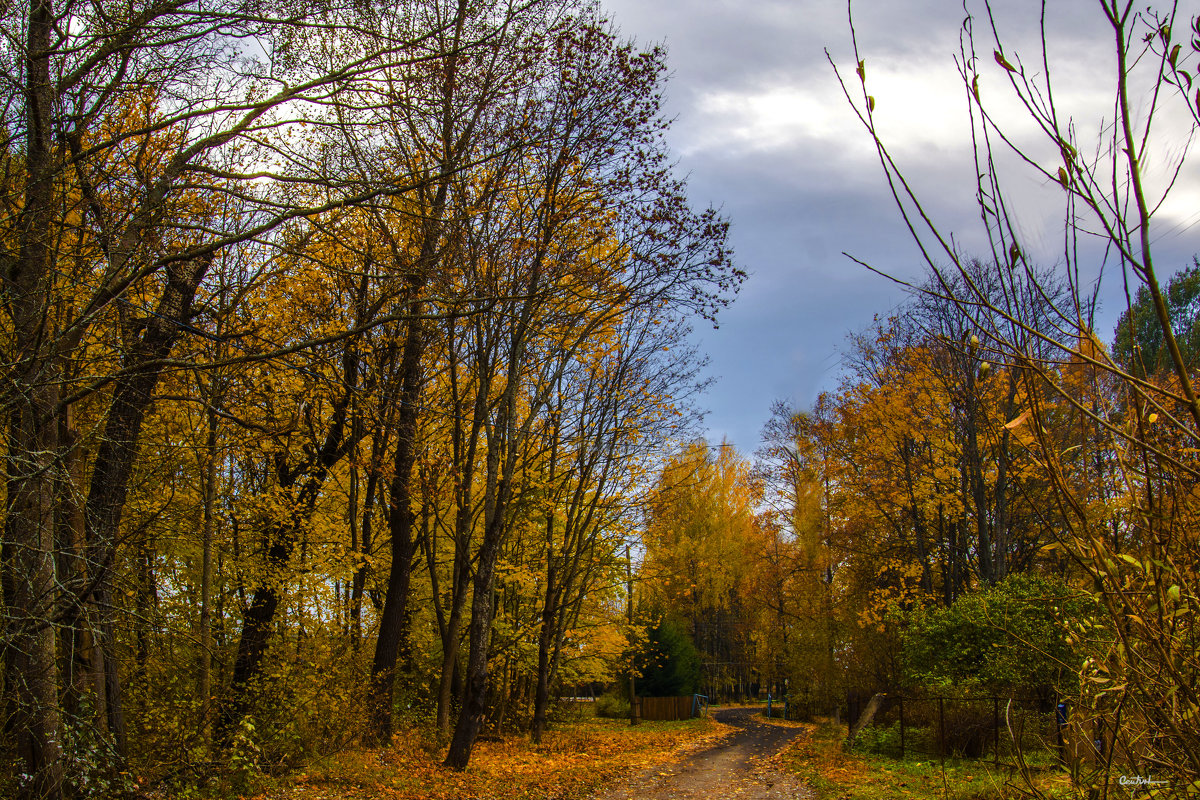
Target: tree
704	541
445	131
1138	344
1124	527
608	415
596	215
801	571
324	328
669	664
120	197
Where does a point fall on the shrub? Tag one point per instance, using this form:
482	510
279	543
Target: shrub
611	706
881	740
1000	640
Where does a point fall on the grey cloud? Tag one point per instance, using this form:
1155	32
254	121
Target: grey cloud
797	202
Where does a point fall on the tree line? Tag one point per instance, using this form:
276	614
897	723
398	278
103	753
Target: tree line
913	532
338	340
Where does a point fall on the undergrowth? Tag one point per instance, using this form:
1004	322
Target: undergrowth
831	772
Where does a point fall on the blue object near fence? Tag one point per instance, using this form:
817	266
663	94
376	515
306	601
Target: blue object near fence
699	708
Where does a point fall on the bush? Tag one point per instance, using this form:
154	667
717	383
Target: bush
968	725
881	740
611	706
569	711
1000	640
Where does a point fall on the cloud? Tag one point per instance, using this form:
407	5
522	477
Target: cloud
918	107
775	118
763	131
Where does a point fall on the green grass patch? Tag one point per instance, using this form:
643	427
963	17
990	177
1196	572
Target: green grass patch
838	775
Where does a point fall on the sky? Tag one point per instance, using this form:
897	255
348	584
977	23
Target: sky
763	132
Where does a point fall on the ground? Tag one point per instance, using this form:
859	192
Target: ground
578	757
744	764
735	753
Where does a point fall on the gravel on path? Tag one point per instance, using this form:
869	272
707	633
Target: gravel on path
738	766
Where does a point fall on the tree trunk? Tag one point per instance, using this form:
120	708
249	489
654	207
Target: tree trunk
33	669
74	637
470	716
464	446
393	622
282	537
256	632
359	583
114	462
206	572
33	444
500	462
541	700
451	643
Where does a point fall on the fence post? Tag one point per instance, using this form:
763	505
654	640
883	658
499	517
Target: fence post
942	730
1060	720
901	728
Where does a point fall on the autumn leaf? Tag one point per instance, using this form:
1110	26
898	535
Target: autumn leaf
1019	420
1002	61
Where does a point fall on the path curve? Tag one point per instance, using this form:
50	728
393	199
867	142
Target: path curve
738	766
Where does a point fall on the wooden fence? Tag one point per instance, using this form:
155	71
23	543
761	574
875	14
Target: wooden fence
668	708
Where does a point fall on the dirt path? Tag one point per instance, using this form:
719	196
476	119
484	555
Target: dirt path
739	766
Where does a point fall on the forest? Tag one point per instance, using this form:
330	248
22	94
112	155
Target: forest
349	390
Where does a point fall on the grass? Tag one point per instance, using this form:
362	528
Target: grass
571	763
835	774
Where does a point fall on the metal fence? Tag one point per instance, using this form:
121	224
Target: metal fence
799	707
779	707
973	727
